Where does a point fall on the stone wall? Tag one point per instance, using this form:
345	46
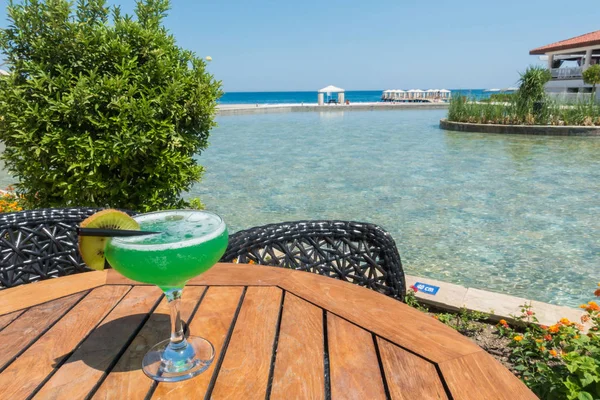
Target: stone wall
551	130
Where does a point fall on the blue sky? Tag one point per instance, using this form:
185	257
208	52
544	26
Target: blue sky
278	45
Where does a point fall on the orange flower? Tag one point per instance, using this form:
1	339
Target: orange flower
554	328
591	306
435	316
580	327
502	322
518	338
553	353
565	321
548	337
542	348
576	337
597	293
538	340
544	327
251	262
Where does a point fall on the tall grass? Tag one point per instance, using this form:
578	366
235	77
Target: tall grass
513	112
528	106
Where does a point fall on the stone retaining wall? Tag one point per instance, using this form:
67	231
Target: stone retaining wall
521	129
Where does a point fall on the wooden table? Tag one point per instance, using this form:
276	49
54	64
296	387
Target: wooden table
278	333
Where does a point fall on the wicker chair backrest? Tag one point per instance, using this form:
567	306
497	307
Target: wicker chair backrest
356	252
40	244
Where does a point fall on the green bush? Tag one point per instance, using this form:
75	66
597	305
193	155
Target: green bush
100	108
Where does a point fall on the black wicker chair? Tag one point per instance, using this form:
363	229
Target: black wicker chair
356	252
40	244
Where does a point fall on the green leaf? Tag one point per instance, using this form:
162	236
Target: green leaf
584	396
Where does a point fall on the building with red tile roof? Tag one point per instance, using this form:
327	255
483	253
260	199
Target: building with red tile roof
567	59
589	39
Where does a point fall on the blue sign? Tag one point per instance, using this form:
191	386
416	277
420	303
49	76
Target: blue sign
425	288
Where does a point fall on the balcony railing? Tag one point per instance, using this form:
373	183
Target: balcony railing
566	73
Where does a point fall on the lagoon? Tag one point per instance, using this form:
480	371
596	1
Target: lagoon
507	213
513	214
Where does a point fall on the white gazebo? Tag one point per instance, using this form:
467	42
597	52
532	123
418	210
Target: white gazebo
329	90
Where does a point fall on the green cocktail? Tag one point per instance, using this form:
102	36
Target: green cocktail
189	243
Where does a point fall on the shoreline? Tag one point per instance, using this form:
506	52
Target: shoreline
241	109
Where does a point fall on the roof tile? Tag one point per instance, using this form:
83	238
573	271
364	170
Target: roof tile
589	39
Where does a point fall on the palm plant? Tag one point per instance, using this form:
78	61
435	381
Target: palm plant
531	91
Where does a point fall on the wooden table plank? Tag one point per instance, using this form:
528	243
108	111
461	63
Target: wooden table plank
6	319
32	294
479	376
23	376
222	274
354	368
245	370
386	317
212	322
299	366
225	274
127	380
95	355
20	334
409	376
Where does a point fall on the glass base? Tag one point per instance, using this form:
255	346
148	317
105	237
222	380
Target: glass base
165	363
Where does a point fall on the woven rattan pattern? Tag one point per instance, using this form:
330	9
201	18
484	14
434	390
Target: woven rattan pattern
360	253
40	244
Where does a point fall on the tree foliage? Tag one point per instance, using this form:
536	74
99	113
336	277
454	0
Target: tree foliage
591	76
101	108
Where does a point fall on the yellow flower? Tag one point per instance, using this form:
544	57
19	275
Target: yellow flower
518	338
576	336
565	321
554	328
538	340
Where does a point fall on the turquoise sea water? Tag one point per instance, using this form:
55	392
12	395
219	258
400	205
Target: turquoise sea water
514	214
353	96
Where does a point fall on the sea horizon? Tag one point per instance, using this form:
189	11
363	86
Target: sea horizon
292	97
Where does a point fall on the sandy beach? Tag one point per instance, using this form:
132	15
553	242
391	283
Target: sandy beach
238	109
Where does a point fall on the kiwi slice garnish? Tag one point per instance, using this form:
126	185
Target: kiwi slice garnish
92	247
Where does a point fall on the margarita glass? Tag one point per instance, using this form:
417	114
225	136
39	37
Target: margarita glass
189	243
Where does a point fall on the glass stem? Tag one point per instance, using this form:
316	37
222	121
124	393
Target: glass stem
177	336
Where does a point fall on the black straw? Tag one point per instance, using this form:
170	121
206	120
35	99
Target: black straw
111	232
